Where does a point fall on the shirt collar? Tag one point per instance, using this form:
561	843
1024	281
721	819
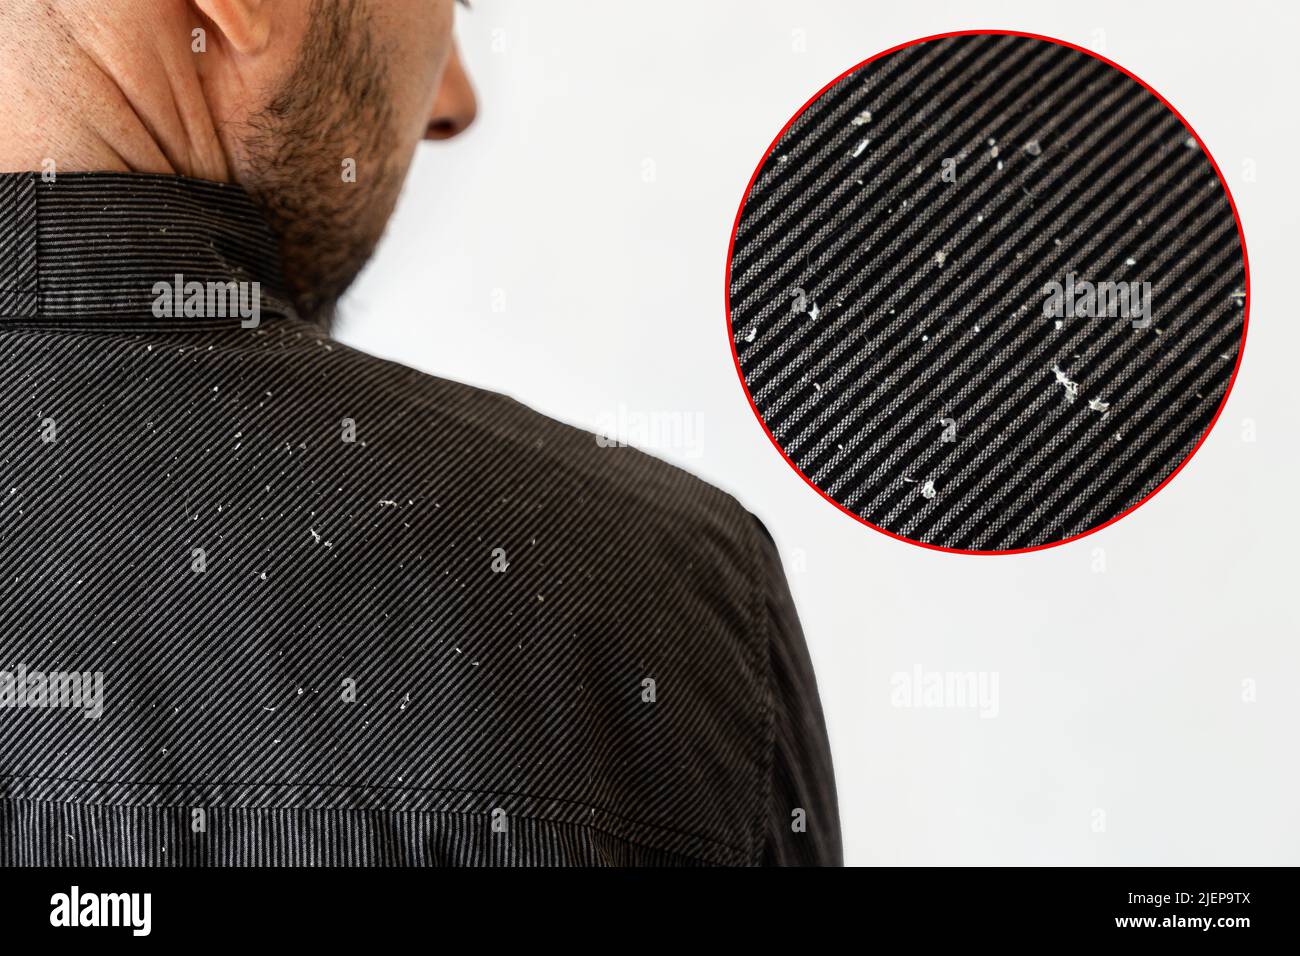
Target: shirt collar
86	249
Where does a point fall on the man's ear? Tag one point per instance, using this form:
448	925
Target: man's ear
244	24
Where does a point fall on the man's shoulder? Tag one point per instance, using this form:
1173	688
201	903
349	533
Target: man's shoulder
566	631
630	594
501	441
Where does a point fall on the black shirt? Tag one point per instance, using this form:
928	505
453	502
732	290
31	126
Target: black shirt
346	613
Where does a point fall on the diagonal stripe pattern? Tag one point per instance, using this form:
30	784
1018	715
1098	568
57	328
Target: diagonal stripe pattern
889	303
347	674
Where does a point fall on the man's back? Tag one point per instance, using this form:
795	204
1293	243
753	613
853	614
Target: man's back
348	613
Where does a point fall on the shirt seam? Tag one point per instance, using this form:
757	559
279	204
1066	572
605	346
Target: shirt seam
352	786
767	711
355	810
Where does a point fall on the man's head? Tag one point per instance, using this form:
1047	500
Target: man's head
314	106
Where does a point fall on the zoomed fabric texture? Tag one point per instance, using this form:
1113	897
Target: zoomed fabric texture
987	292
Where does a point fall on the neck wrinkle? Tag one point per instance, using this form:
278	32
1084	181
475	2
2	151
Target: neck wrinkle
143	109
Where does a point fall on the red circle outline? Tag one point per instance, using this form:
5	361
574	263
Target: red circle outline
731	337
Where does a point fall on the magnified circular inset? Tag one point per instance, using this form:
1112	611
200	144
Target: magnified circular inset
987	292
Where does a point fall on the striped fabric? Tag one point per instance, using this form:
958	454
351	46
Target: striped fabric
99	246
432	644
888	304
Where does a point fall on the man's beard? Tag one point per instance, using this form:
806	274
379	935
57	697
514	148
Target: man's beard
333	116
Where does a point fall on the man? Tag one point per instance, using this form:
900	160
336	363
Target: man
272	601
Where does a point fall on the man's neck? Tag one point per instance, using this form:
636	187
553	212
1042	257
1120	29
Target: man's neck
141	104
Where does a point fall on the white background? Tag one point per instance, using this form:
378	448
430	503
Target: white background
1122	735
